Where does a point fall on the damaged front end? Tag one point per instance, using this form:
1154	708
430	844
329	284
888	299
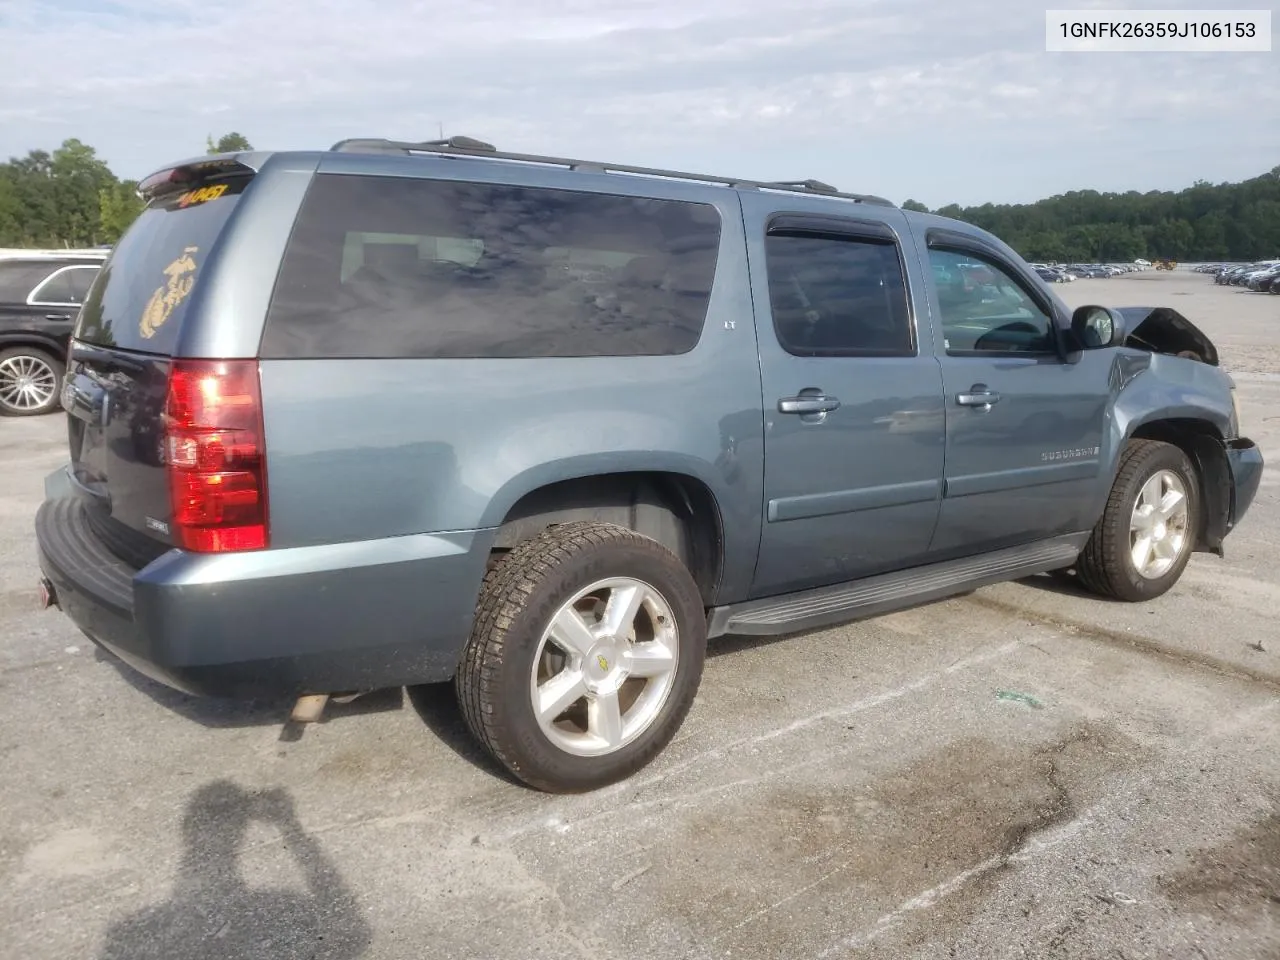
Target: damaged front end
1165	330
1230	465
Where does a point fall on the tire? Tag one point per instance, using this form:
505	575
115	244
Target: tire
515	652
1107	565
24	370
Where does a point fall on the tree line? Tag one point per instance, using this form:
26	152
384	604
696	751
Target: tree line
1225	221
70	198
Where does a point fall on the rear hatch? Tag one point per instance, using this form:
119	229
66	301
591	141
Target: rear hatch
120	361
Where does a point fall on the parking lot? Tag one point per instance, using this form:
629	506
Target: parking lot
1021	772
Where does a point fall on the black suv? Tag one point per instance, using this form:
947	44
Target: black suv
40	295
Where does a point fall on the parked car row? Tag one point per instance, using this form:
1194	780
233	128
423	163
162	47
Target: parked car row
1065	273
1262	276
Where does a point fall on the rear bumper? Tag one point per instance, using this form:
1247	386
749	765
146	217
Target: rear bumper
1245	460
272	623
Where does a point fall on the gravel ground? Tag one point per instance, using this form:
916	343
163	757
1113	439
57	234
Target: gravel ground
1022	772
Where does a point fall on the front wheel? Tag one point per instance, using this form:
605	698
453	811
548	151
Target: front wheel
585	656
1144	539
30	382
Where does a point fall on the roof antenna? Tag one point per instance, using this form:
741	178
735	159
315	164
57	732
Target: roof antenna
440	124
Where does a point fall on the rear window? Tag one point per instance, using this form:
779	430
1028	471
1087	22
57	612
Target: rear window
147	284
392	267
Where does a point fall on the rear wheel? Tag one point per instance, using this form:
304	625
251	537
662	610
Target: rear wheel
30	382
1141	545
585	656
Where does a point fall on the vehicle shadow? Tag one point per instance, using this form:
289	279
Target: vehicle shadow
217	713
437	705
213	913
1063	584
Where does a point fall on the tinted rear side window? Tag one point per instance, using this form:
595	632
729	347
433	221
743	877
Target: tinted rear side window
838	296
19	277
392	267
147	284
67	286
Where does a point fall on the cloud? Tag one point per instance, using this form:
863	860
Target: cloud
922	98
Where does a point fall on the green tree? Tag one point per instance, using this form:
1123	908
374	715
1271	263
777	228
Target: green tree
55	199
33	199
118	206
915	205
1235	221
1173	239
228	143
77	176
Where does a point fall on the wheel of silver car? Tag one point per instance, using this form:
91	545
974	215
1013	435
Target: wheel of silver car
30	382
1146	534
586	654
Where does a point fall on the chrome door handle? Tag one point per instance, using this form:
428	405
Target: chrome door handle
810	404
978	396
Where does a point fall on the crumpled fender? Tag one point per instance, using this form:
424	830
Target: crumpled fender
1165	330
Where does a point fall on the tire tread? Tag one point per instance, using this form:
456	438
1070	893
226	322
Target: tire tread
504	593
1101	564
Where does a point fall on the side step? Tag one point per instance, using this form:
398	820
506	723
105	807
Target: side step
826	606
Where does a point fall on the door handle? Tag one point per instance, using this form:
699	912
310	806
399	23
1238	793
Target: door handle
808	404
57	316
978	396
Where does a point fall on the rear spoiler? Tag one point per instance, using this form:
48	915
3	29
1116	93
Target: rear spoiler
188	173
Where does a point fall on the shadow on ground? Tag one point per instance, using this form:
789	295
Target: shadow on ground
437	705
213	913
1064	584
213	712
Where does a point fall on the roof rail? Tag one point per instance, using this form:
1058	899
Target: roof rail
470	147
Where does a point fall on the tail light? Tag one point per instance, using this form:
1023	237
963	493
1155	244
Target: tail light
215	457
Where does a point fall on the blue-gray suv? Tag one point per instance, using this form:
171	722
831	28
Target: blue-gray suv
400	413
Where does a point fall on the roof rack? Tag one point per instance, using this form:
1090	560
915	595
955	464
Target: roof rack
470	147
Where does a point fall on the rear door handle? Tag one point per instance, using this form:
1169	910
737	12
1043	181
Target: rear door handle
57	316
978	396
809	404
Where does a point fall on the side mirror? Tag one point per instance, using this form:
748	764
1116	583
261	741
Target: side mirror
1095	327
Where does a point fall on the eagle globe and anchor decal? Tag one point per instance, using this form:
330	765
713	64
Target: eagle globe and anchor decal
167	296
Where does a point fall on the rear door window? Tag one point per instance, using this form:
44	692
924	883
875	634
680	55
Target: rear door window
147	283
67	287
18	278
395	267
838	296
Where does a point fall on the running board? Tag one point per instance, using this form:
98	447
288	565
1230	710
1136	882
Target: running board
826	606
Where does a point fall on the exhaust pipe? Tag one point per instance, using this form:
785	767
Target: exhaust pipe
48	595
309	709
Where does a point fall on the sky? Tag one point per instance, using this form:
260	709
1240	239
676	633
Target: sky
940	101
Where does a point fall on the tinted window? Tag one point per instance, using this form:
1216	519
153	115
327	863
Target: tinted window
838	297
67	286
147	284
389	267
984	309
19	277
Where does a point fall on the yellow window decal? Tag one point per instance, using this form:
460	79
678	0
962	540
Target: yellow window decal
181	274
202	195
